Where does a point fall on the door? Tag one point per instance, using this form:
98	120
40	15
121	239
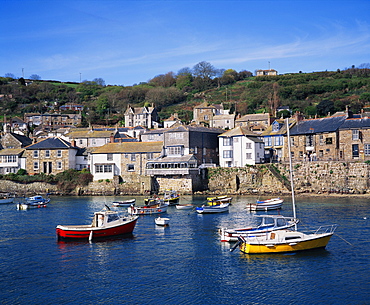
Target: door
355	153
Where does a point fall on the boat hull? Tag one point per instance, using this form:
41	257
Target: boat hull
26	206
162	221
83	232
147	210
213	209
124	204
184	206
320	241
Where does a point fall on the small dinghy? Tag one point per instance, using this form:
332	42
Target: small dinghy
162	221
188	206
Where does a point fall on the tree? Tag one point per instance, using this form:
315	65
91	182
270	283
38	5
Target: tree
204	70
164	80
35	77
10	75
184	71
325	107
99	81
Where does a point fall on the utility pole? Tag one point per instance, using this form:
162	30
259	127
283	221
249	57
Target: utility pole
80	77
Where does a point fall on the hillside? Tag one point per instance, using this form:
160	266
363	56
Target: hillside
317	93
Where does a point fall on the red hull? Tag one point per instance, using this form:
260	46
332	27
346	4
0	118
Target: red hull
84	233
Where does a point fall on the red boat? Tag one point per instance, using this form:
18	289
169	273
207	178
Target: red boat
106	223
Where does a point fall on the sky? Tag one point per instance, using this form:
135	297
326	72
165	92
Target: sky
129	42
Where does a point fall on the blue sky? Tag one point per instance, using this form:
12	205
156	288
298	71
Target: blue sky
128	42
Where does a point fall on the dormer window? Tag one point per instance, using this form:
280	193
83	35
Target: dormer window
275	126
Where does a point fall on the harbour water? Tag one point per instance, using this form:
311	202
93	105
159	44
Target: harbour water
184	263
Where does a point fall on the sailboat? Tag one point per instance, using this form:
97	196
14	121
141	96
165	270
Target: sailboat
288	240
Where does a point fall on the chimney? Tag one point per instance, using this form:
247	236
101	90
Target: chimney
73	143
111	138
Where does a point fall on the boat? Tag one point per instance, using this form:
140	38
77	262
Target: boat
288	240
187	206
265	205
219	199
124	203
33	202
7	198
264	224
105	223
209	209
148	209
162	221
171	197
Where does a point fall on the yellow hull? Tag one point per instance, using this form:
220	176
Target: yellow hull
255	248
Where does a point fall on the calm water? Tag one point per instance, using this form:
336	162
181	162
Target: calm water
181	264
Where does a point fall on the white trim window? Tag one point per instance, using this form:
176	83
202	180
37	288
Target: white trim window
249	156
228	141
367	149
355	134
228	154
35	165
59	153
47	153
59	165
35	153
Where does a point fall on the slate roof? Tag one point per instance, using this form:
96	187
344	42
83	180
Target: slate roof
239	131
184	158
51	143
322	125
11	151
23	139
183	128
356	123
129	147
88	133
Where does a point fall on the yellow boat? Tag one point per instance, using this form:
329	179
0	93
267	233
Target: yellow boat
286	240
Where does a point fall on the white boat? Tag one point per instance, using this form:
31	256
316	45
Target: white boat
162	221
262	225
265	205
187	206
209	209
124	203
289	240
7	198
219	199
171	197
33	202
148	209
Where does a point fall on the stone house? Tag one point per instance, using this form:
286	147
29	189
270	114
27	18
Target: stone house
125	160
52	121
141	116
16	125
173	119
50	156
257	122
213	116
316	139
14	140
354	139
240	147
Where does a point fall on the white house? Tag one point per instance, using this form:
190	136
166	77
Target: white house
240	147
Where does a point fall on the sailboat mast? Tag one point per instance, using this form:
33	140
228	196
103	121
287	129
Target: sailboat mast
291	172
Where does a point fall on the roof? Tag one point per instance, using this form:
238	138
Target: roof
184	128
23	139
356	123
254	117
239	131
11	151
177	159
329	124
88	133
129	147
51	143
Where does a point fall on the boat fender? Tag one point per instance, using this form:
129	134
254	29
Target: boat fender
159	210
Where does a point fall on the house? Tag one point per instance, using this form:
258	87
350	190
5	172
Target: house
316	139
73	107
88	137
274	138
16	125
257	122
126	160
50	156
54	120
269	72
14	140
173	119
240	147
141	116
354	139
213	116
11	160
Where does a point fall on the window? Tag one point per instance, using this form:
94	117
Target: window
35	153
321	139
47	153
355	134
81	142
133	157
278	141
355	152
59	153
367	149
291	141
228	154
174	150
35	166
206	117
236	140
59	165
249	156
228	141
106	168
309	140
149	156
248	145
130	167
109	157
267	141
329	141
321	153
